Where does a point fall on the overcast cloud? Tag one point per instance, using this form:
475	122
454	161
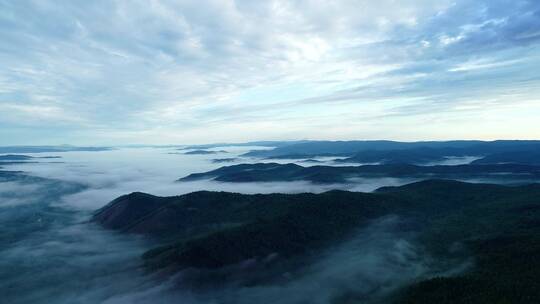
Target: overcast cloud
109	72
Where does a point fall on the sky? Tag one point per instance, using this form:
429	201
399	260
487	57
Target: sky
181	72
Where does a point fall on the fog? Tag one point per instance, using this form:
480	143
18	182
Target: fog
109	174
368	268
49	253
14	193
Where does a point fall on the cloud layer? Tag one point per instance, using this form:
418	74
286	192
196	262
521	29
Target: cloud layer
103	72
49	252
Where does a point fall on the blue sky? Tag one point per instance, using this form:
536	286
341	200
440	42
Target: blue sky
118	72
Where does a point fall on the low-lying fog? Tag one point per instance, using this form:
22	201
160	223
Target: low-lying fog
49	254
109	174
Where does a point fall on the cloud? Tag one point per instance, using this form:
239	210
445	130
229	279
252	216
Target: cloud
49	251
370	265
109	174
11	193
156	71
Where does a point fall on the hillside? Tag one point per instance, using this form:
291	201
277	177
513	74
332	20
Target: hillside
350	148
272	172
287	232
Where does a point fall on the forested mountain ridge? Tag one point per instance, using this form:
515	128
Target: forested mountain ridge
215	230
268	172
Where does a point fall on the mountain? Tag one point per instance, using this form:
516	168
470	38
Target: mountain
216	229
224	160
513	157
16	157
44	149
202	152
496	227
19	157
406	156
267	143
273	172
349	148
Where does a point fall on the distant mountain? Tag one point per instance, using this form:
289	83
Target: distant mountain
15	157
254	239
349	148
44	149
312	161
19	157
202	152
224	160
8	176
406	156
513	157
273	172
267	143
